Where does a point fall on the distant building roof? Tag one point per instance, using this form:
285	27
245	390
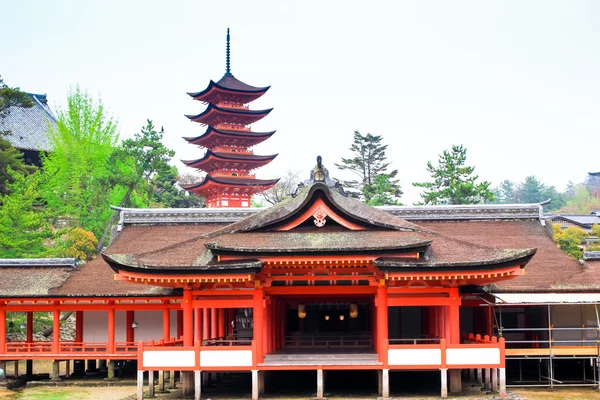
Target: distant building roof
28	127
581	220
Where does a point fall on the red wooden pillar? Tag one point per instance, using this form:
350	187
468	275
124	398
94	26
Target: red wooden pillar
179	324
56	330
129	320
30	327
78	326
374	327
454	317
166	322
110	346
198	323
2	331
214	319
266	326
489	321
206	324
382	324
188	318
258	321
221	324
436	321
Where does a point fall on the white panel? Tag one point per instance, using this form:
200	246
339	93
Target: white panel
149	325
545	298
120	320
226	358
178	358
414	356
472	356
95	326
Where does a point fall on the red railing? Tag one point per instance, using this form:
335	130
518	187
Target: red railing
71	347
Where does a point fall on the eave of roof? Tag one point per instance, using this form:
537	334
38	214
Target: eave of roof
231	182
232	84
227	111
229	157
237	134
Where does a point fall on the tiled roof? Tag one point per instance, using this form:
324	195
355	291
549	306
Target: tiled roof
29	127
586	220
33	276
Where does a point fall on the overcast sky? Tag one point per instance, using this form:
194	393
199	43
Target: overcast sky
516	82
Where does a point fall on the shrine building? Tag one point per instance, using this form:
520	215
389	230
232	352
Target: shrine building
320	283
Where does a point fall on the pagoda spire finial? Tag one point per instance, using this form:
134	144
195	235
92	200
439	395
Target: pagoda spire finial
228	57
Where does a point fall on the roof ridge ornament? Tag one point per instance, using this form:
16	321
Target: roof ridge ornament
228	56
320	174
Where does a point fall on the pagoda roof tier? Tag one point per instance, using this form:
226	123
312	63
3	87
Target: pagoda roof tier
229	88
219	184
214	115
243	161
213	137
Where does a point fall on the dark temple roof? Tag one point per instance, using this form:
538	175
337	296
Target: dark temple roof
230	82
239	181
29	127
236	134
33	276
229	157
253	115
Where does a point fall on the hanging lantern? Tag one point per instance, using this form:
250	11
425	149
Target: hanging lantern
301	311
327	317
353	310
341	317
134	325
23	326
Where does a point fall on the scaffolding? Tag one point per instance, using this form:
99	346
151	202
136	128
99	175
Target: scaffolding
562	355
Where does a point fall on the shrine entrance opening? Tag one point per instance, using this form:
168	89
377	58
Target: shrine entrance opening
329	327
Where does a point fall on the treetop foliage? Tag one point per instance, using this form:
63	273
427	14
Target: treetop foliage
368	161
454	181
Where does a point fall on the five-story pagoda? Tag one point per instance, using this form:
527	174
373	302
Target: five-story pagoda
229	160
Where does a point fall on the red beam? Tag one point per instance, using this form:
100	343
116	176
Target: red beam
321	290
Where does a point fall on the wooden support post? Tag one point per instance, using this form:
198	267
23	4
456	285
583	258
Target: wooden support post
320	384
166	323
454	317
2	331
385	383
110	348
110	374
172	383
502	389
55	376
455	381
187	383
494	380
472	374
197	385
206	324
67	368
198	324
479	376
487	379
29	367
254	384
261	382
258	314
266	326
140	385
56	331
214	323
161	381
16	368
444	376
221	323
188	318
151	384
78	327
382	324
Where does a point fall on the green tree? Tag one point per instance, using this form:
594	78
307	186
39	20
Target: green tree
168	194
381	192
137	160
367	162
557	199
453	181
505	193
76	174
23	229
531	190
11	158
569	240
581	203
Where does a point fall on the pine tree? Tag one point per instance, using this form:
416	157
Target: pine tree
369	160
453	181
